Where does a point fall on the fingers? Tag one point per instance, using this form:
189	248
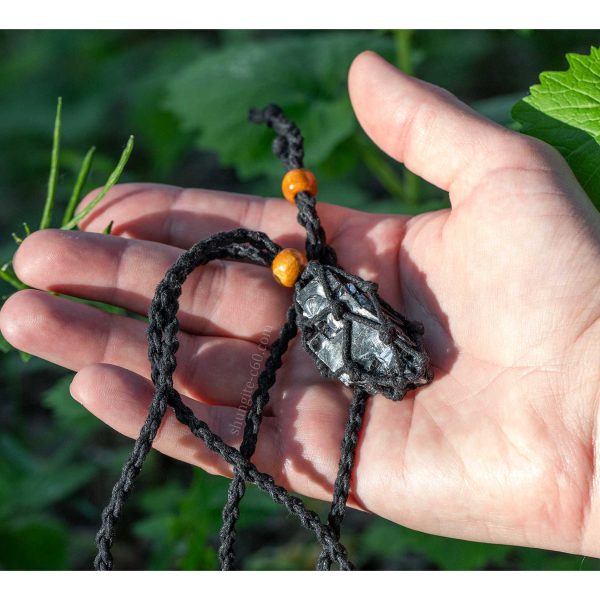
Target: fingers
222	298
181	217
432	133
74	335
121	399
301	453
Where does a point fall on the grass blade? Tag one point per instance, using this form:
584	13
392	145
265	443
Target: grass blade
51	195
404	56
112	180
79	183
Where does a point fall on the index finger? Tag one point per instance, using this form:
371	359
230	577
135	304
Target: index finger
180	217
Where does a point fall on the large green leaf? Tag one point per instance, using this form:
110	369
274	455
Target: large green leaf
564	110
304	74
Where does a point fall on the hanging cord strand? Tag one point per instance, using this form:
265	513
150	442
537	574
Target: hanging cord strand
237	244
308	518
163	326
122	489
260	398
163	312
341	488
288	146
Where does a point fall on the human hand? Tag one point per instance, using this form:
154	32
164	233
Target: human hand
500	447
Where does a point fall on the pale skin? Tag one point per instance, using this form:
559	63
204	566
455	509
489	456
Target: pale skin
501	447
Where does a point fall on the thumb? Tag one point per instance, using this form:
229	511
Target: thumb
435	135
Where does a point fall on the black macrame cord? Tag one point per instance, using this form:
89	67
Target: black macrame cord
345	302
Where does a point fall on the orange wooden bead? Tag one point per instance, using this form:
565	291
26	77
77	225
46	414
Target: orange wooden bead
287	266
296	181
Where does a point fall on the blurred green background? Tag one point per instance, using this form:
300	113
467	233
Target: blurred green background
185	94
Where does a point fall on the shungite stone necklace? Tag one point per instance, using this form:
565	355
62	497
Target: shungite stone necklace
351	333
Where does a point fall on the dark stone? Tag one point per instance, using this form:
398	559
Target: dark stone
353	348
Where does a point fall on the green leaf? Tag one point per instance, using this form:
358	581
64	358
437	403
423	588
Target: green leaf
25	356
304	74
564	111
7	273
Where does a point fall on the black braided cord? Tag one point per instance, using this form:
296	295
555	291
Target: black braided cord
341	489
288	146
254	247
163	326
260	398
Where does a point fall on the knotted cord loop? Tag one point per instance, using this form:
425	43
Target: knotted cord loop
288	146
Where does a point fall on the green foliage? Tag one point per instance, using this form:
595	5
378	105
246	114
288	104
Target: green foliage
305	74
33	544
183	91
31	483
44	480
181	523
52	179
80	182
564	110
446	553
69	413
69	219
451	554
112	180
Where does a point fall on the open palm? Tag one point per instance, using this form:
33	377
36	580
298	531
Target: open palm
501	447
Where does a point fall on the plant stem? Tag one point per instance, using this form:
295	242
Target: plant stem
10	278
381	169
403	41
79	183
51	195
112	180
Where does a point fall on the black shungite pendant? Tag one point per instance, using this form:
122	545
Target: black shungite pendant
356	337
